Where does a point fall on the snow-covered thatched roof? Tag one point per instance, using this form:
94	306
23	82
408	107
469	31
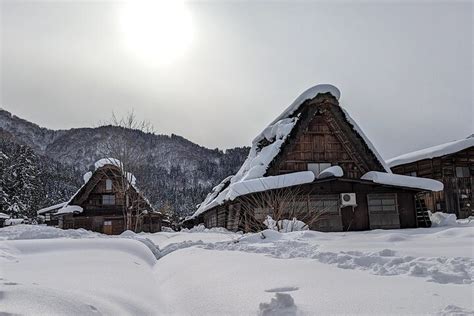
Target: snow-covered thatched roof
266	146
68	207
50	208
433	152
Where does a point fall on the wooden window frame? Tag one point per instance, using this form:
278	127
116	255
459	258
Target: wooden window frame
382	197
107	182
108	197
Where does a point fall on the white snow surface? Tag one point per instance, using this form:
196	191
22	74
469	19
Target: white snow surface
432	152
333	171
404	181
216	272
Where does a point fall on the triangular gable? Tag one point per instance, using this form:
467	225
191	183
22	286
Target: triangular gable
91	179
325	133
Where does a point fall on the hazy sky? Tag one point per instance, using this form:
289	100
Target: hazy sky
405	69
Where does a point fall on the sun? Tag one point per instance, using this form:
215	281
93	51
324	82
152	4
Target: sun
157	32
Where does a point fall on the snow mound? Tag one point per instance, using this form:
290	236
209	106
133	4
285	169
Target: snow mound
202	229
20	232
439	219
454	310
285	225
384	262
281	305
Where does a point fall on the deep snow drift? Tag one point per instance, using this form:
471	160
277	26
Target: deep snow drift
216	272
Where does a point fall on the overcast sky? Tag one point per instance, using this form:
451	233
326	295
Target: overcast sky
405	69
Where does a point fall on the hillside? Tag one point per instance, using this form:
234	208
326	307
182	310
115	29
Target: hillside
178	172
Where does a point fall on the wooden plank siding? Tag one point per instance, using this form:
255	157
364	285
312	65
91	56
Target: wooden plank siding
457	196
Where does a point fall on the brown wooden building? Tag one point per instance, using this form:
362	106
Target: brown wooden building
451	163
314	159
99	205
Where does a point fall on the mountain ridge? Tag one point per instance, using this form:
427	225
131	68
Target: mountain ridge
177	171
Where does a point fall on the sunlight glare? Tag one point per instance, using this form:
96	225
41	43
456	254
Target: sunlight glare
156	32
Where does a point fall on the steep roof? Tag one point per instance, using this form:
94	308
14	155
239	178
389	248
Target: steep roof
268	144
50	208
433	152
69	207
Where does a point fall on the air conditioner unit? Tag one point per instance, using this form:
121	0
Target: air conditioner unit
348	199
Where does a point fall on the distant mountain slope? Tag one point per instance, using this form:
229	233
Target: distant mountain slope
178	172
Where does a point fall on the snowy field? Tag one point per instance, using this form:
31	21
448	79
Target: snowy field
48	271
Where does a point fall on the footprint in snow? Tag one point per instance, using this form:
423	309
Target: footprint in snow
10	283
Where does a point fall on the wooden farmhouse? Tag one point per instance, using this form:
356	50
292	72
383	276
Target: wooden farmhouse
451	163
101	203
314	163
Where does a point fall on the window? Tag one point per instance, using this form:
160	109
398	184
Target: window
385	203
108	185
47	217
108	199
325	204
107	223
462	172
316	168
411	174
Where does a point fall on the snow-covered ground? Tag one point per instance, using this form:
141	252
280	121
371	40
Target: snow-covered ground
45	270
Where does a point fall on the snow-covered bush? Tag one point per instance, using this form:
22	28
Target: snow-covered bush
442	219
285	225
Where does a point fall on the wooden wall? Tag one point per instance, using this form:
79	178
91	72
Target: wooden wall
230	215
457	196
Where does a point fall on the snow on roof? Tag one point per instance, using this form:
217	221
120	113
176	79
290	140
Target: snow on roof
266	146
403	181
433	152
333	171
107	161
50	208
4	216
244	187
311	93
88	175
69	209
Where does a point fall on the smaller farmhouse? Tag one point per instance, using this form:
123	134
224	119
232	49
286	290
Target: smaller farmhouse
314	164
109	202
451	163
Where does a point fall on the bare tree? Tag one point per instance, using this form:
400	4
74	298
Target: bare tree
281	204
125	151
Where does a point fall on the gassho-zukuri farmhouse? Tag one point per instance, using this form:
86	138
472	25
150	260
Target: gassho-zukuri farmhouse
313	163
